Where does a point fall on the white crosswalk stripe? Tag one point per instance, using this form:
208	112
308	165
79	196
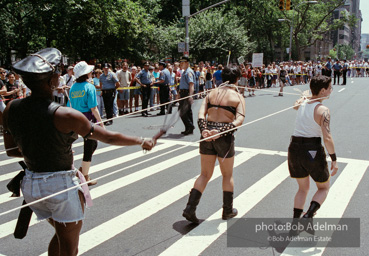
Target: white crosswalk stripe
198	239
338	198
8	228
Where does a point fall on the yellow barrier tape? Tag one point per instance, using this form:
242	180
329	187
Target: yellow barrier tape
139	87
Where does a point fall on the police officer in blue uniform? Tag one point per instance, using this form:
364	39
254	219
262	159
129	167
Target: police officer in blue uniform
144	79
337	71
164	83
186	88
109	84
328	67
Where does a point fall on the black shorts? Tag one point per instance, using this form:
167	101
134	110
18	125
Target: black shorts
221	147
306	156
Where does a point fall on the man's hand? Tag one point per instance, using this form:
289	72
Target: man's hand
334	168
206	133
148	144
190	100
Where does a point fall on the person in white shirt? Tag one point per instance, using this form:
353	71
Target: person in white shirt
269	76
69	80
318	69
298	73
58	93
124	77
24	92
306	155
353	68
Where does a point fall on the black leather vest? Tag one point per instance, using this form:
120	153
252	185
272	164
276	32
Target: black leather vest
45	149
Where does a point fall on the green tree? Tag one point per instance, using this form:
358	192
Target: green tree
313	21
213	34
103	29
344	52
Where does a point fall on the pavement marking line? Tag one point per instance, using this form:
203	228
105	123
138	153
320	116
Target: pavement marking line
123	159
8	227
117	225
103	165
339	197
199	238
275	152
141	174
342	90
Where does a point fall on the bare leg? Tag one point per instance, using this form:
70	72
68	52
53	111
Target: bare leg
136	101
66	238
85	167
300	197
54	243
130	103
321	194
281	84
207	169
226	167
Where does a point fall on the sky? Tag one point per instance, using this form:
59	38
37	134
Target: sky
364	7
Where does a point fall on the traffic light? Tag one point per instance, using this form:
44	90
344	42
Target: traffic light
367	46
281	5
288	5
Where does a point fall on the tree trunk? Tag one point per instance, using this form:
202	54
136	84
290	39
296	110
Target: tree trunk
298	53
8	58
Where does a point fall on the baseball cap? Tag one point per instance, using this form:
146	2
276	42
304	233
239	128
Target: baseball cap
184	58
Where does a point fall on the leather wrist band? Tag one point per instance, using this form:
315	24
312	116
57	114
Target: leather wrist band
333	157
227	127
202	124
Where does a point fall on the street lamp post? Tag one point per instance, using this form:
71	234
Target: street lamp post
291	26
187	15
291	29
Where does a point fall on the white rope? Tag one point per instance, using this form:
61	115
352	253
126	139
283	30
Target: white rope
138	111
185	146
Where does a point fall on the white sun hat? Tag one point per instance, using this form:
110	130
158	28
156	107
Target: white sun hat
82	68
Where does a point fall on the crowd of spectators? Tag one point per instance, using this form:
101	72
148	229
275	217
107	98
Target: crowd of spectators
120	90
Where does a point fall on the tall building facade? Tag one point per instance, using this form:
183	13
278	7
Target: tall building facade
364	41
345	35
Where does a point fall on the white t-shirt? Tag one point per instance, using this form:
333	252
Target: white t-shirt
124	77
69	80
61	83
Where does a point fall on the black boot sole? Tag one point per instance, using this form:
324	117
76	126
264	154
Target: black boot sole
190	217
230	215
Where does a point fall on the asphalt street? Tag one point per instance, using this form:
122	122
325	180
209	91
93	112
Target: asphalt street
139	198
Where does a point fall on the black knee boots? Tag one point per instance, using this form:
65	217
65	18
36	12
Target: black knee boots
297	213
228	210
307	219
296	217
314	206
190	212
